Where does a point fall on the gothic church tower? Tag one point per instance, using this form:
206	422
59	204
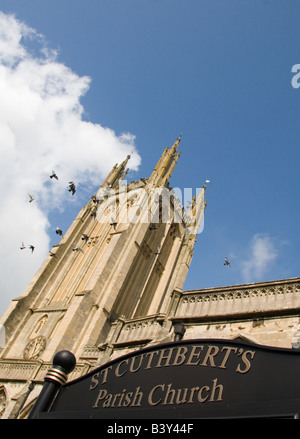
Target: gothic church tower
123	257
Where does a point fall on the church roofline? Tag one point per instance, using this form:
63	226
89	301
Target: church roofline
243	286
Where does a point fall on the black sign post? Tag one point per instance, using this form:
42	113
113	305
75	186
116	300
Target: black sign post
63	363
188	379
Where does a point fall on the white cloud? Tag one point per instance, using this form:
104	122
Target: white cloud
261	254
42	128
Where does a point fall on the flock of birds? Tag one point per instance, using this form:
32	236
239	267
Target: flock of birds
71	188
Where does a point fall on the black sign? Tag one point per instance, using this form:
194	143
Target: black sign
187	379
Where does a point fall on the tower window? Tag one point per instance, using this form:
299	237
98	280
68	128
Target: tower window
38	327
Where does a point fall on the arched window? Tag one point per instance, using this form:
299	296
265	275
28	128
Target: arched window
38	327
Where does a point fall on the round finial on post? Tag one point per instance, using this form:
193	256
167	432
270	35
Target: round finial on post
64	359
63	363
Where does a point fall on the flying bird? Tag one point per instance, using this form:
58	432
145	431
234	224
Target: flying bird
207	181
85	237
54	175
77	249
58	231
31	248
227	262
71	187
22	246
157	251
31	198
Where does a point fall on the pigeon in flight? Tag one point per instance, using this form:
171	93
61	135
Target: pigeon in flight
77	249
71	187
157	251
190	204
58	231
22	246
31	198
54	175
227	262
85	237
31	248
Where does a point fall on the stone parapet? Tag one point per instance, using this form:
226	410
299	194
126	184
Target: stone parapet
280	297
16	370
140	329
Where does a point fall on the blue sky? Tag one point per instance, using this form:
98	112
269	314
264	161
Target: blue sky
219	73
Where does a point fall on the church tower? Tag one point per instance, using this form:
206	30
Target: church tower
118	267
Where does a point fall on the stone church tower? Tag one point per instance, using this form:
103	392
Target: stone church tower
110	280
114	285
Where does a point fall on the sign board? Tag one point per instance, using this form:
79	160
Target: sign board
188	379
